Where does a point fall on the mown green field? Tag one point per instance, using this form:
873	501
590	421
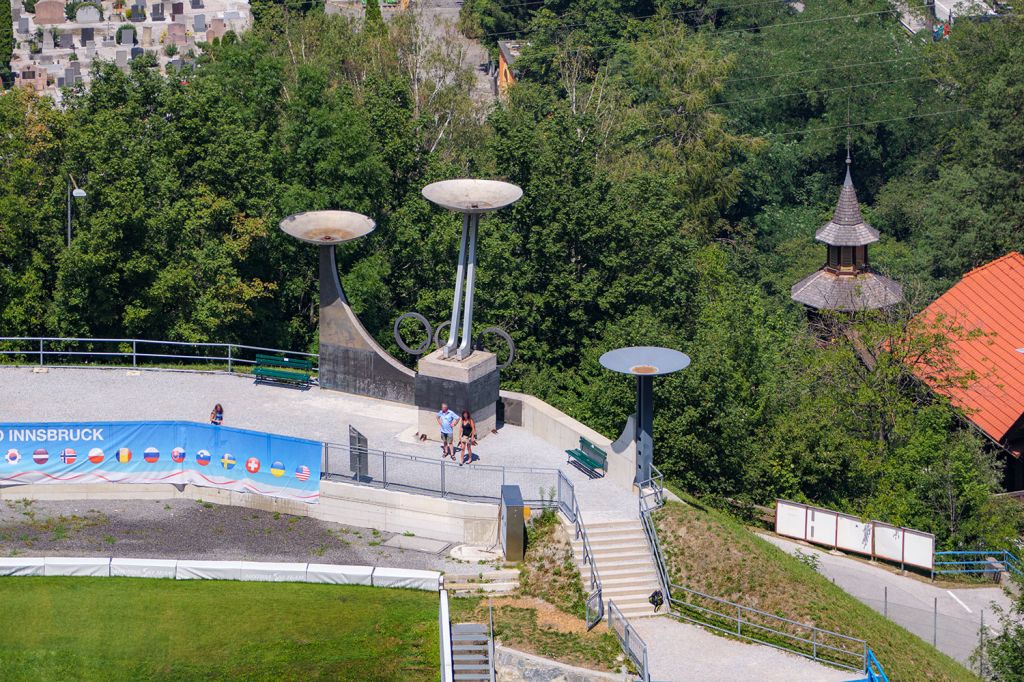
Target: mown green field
137	629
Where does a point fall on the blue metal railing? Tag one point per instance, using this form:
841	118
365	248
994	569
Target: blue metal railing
874	669
977	562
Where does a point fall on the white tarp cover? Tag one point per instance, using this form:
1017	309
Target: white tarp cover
32	566
339	574
81	566
853	535
918	548
209	570
405	577
888	542
143	568
790	519
821	526
273	573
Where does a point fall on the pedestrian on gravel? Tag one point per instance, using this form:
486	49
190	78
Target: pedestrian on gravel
217	416
447	420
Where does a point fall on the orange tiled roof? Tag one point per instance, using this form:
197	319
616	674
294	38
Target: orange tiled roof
989	298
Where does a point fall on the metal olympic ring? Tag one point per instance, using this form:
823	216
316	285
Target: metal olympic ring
498	331
423	347
437	333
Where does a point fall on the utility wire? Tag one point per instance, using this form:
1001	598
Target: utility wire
866	123
815	92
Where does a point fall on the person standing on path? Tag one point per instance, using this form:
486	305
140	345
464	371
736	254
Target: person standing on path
217	415
468	436
447	420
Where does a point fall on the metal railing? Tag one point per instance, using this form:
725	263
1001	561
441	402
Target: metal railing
766	628
595	598
47	350
541	488
632	643
444	625
978	563
652	497
874	669
491	664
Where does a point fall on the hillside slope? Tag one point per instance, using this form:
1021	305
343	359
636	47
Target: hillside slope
709	551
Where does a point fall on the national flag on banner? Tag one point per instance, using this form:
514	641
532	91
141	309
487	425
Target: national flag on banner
302	472
68	456
228	461
123	455
178	455
96	456
277	469
252	465
40	456
13	456
151	455
203	458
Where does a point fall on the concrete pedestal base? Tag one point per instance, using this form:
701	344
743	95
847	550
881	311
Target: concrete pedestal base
471	384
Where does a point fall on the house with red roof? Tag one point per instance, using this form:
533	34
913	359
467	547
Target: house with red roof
989	302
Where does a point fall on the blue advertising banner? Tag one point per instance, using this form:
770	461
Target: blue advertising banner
161	452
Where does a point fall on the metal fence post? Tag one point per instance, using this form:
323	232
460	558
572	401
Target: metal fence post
814	643
886	601
229	358
384	467
442	478
40	352
739	620
133	354
935	624
981	647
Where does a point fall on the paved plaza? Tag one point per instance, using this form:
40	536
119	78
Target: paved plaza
66	394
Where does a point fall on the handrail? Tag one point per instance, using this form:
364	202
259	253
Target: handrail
874	669
990	561
595	593
632	643
650	502
490	643
39	350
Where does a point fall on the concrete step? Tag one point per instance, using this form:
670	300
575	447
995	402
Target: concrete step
626	571
599	535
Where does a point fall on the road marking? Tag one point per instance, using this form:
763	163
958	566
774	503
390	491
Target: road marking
950	593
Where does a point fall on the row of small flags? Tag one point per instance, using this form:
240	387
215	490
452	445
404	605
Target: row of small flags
152	455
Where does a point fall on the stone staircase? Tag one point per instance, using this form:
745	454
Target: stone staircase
471	652
624	563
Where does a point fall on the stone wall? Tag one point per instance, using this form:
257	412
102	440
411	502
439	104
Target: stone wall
516	666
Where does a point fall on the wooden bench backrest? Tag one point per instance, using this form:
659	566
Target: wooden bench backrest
276	361
592	450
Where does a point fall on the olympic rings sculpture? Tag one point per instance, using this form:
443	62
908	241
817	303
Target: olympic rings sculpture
435	335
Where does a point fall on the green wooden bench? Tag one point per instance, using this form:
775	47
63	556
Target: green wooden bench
588	458
278	368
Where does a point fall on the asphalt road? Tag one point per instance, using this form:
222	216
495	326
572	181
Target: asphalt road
950	617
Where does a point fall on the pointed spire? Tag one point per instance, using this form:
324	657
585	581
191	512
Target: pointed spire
847	227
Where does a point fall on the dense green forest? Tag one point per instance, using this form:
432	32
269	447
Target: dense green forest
676	159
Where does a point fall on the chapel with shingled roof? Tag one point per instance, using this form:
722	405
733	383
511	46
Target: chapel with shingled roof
846	283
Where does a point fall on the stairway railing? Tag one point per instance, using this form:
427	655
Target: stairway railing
652	498
595	601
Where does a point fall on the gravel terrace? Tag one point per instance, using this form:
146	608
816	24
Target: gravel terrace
187	529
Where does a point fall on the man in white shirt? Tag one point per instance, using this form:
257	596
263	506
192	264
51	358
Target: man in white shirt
447	420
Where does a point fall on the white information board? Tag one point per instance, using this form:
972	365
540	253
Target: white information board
918	548
853	535
888	542
790	519
821	526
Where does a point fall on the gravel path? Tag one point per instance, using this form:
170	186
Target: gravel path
186	529
681	652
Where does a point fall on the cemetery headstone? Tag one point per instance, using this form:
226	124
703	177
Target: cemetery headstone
196	4
199	23
87	14
121	58
88	35
23	25
137	52
177	9
156	13
127	36
66	41
49	12
47	40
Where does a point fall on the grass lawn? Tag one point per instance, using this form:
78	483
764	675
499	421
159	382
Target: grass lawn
138	629
709	551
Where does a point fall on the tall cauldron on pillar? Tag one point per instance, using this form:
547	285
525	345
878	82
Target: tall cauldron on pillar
454	373
645	363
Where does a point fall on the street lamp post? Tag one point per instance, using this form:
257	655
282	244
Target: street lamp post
74	192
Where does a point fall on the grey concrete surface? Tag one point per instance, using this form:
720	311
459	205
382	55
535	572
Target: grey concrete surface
680	652
118	394
949	616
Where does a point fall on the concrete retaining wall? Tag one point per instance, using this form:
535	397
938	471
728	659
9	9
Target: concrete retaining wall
562	431
386	510
516	666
